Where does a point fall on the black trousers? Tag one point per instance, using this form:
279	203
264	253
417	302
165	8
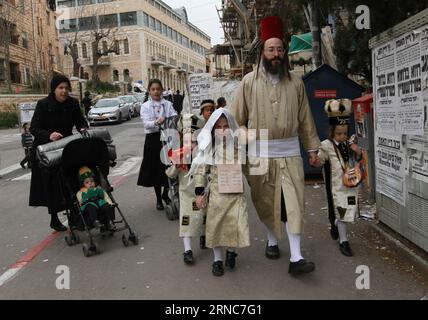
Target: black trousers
103	214
283	209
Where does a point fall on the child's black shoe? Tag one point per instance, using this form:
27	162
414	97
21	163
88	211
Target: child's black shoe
188	257
218	270
230	259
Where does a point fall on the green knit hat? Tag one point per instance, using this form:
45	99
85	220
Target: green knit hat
85	172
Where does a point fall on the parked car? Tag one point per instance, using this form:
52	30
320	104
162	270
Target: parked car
132	103
109	110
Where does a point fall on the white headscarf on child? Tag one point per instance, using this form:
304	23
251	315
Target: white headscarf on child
204	155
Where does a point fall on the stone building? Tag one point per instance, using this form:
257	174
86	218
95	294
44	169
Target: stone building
33	45
152	40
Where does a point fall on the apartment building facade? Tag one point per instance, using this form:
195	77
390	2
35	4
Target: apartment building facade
33	48
152	40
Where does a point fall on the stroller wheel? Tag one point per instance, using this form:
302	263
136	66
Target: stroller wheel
170	212
68	240
75	238
86	251
133	237
125	240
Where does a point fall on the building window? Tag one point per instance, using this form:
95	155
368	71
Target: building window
146	19
115	75
108	21
87	23
86	76
27	77
75	51
164	30
116	47
67	26
105	47
15	73
126	76
169	31
128	18
126	46
85	2
66	4
25	40
158	26
152	23
84	51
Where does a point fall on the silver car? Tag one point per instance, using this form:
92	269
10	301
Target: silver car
132	102
109	110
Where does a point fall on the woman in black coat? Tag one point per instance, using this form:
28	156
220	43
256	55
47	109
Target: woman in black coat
54	118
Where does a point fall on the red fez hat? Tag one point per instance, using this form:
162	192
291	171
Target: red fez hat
271	27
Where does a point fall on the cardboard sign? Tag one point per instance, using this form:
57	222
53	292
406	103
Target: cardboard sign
230	178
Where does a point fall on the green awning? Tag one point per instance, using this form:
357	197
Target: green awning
300	43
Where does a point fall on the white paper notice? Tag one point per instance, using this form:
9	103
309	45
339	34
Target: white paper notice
230	178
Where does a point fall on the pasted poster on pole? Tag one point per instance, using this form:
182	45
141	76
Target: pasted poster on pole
385	87
201	88
390	167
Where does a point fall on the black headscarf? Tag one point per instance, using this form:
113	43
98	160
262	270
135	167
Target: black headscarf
57	80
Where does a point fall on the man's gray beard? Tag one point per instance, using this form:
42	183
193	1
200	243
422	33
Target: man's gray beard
278	70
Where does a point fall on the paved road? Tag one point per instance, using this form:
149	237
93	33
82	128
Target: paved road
154	269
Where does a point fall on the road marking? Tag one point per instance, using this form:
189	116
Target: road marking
26	176
9	138
126	168
27	258
10	169
13	271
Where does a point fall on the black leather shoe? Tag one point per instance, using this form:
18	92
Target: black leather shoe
218	270
188	257
301	266
56	224
230	259
272	252
202	243
345	248
334	232
160	206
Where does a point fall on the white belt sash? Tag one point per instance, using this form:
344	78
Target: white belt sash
275	148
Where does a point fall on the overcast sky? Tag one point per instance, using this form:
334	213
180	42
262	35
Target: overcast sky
203	14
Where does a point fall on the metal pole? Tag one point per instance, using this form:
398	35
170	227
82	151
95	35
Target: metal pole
316	37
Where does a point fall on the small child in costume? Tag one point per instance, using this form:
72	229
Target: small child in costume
27	144
227	214
338	154
95	204
192	219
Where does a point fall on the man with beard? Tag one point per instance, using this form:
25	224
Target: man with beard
272	98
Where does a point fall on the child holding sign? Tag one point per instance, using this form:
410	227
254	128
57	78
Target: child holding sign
219	189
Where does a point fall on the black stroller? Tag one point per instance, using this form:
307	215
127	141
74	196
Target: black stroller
93	149
173	209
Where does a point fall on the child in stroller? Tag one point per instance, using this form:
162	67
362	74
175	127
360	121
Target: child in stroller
95	204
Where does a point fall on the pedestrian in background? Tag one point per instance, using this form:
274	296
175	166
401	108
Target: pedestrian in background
221	102
87	102
177	101
152	170
27	144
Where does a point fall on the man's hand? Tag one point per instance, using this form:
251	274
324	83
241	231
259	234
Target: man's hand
200	202
314	160
55	136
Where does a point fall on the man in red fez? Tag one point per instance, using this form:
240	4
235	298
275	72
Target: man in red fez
272	98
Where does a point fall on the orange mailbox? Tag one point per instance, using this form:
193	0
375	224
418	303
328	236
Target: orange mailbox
364	129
